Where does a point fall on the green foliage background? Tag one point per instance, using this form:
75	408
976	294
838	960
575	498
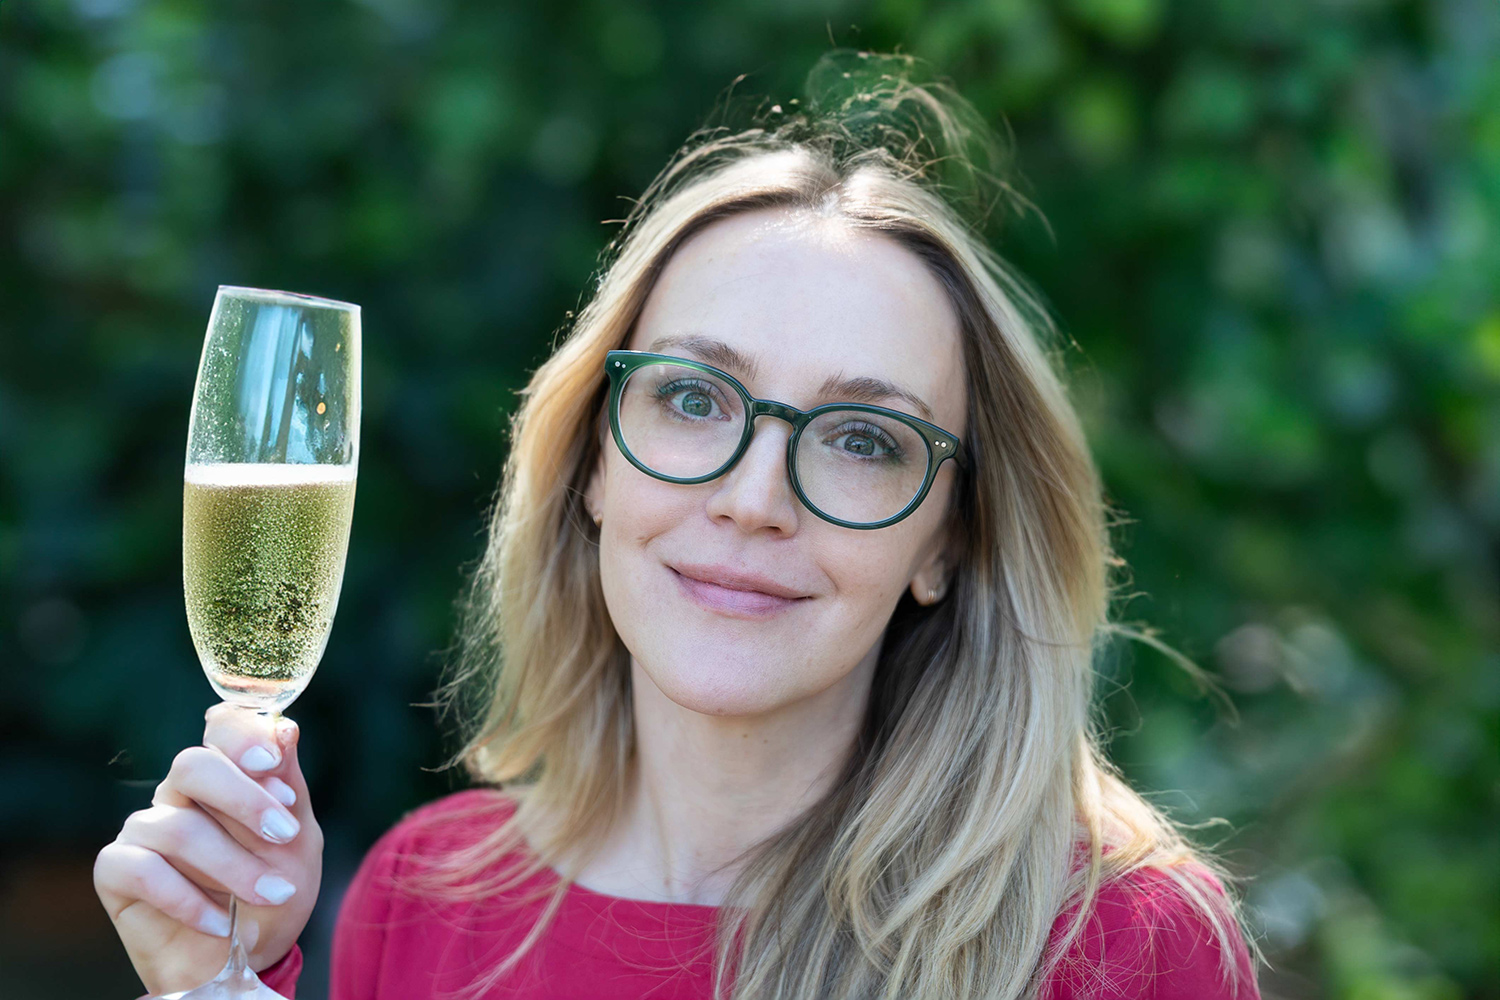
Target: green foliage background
1271	231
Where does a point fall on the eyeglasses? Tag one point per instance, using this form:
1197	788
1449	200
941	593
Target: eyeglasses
856	465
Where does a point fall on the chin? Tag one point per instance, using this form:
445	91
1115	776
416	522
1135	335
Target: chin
728	690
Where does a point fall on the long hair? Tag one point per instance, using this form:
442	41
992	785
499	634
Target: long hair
977	804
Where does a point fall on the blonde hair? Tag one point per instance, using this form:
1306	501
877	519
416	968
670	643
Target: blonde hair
977	804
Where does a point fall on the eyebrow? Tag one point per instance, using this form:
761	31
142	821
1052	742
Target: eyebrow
845	389
868	389
715	352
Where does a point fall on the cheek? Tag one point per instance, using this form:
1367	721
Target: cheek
870	594
638	511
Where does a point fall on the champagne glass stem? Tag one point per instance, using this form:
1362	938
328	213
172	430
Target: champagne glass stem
236	981
237	969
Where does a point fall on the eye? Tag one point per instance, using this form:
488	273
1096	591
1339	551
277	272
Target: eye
688	398
865	441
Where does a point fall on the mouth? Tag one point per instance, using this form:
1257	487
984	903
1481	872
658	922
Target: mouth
734	596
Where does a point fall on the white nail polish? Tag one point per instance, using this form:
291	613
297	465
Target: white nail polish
274	889
215	923
277	826
259	759
281	792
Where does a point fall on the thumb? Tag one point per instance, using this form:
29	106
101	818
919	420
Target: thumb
288	736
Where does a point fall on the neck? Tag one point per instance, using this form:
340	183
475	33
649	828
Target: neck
706	788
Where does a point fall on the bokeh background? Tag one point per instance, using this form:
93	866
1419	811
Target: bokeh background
1268	228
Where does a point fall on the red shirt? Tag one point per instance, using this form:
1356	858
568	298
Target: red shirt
390	944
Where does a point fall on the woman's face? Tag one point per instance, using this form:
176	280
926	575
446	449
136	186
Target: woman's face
805	300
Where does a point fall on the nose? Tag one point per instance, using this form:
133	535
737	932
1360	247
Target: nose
757	492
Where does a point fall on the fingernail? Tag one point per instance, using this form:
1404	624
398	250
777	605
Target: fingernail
259	759
215	923
277	826
249	933
286	732
281	792
274	889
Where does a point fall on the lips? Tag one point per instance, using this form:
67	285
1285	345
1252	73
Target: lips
732	592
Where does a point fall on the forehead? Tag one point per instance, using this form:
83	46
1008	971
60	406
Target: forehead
809	300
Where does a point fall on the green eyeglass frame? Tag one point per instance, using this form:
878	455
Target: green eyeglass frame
941	445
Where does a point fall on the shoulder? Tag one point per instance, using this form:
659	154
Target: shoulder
423	837
452	822
1147	937
388	907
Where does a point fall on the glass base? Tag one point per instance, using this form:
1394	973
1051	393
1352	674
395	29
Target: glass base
228	985
236	981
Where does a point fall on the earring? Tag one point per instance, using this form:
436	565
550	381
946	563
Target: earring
931	595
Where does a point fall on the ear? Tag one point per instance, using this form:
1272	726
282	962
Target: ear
930	583
593	493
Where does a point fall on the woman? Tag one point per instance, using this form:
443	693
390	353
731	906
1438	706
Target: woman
797	572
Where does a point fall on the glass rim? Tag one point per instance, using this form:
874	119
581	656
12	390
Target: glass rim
295	298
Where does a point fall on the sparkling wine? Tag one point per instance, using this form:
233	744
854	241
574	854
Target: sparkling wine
263	549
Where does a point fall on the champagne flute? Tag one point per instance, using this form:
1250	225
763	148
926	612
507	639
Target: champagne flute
268	495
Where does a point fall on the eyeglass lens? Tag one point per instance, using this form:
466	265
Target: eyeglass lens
852	465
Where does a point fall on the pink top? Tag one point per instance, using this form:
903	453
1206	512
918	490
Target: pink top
394	945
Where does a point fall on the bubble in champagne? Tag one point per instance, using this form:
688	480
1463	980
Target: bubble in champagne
263	549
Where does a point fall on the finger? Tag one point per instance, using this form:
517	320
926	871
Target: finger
193	843
280	791
203	775
128	873
288	740
245	736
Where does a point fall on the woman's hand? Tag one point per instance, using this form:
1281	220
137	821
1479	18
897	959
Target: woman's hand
232	816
